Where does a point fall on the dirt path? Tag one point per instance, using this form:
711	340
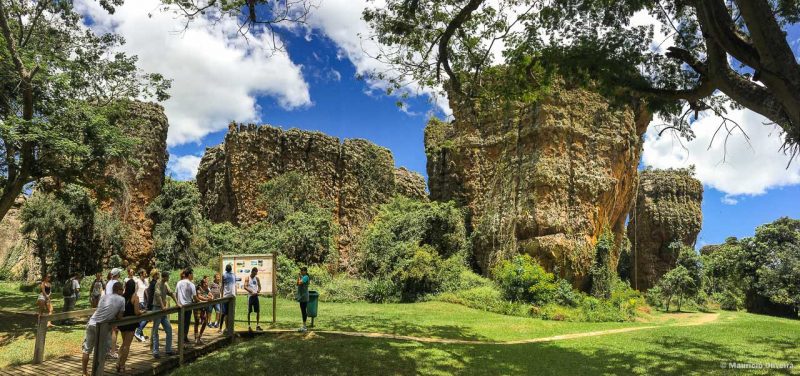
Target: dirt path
698	320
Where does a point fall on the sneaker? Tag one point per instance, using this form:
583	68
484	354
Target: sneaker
139	337
258	328
157	356
302	329
112	356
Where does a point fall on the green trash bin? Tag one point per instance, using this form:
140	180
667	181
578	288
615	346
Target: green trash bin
313	303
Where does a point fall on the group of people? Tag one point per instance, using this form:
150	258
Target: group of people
137	294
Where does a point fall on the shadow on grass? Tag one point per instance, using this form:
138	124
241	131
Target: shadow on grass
371	323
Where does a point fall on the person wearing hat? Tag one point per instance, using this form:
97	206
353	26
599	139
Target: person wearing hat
112	278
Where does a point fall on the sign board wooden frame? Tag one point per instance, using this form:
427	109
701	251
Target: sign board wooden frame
267	272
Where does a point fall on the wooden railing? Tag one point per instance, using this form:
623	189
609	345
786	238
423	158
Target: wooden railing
104	328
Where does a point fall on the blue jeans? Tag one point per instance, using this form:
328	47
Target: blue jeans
164	321
143	323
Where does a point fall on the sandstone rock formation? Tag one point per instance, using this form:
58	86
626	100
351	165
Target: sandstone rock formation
356	175
17	261
141	179
544	179
667	209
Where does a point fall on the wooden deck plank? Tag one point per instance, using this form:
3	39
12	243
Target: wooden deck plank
140	361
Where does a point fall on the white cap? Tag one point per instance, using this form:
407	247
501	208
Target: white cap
116	271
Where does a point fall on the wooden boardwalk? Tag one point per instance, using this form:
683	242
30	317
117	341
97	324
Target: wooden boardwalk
140	361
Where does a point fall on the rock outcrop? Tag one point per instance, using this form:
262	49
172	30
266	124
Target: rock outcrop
141	179
17	261
356	175
544	179
667	209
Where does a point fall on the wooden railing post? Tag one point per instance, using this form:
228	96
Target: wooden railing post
41	334
181	325
231	316
100	349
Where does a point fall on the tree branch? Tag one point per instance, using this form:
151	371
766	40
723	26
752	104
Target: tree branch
443	59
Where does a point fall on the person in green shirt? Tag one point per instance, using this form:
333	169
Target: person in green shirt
302	295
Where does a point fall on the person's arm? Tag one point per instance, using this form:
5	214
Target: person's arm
171	294
258	280
247	284
135	301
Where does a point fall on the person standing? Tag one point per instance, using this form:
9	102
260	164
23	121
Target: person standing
141	288
160	302
201	314
216	293
97	290
109	307
187	294
43	302
71	291
253	286
228	290
113	278
302	295
127	330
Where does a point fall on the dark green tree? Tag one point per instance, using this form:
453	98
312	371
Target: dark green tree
60	87
176	215
591	42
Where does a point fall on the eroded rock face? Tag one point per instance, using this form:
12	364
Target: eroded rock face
141	180
543	179
17	260
356	175
667	209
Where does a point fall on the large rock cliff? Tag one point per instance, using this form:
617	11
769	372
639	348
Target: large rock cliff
356	175
17	261
140	179
544	179
667	209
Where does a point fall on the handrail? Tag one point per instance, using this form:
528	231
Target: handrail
151	315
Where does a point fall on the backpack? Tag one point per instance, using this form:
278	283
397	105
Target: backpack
68	291
149	295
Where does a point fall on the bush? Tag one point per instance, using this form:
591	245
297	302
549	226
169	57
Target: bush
422	275
486	298
382	291
401	227
729	300
522	279
565	294
343	289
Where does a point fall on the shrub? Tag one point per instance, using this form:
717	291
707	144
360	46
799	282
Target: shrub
343	289
403	225
601	275
522	279
565	294
486	298
729	300
382	291
421	275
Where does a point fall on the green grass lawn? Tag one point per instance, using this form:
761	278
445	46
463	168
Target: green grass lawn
677	350
738	337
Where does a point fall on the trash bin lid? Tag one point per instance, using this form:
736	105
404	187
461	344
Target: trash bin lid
314	293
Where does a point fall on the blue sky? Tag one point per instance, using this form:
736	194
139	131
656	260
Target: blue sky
219	77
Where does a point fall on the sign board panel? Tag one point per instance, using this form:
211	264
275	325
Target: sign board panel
243	264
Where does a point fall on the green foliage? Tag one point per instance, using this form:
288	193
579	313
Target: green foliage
771	264
382	291
176	215
522	279
290	193
69	234
486	298
601	274
720	278
422	274
62	88
404	224
676	284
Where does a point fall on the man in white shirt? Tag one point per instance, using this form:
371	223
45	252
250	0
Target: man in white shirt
187	294
141	286
111	306
112	280
113	277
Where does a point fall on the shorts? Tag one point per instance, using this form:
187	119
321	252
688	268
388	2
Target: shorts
252	304
89	339
213	308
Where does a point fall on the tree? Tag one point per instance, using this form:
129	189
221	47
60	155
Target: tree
60	87
771	267
677	283
176	215
721	279
591	42
263	15
45	222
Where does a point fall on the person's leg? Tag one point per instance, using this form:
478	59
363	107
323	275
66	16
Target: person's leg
249	310
218	316
304	312
168	329
187	320
114	334
143	323
154	331
127	338
222	316
88	346
258	313
196	322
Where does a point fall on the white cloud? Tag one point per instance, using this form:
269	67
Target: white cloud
183	167
738	168
729	200
340	21
217	74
